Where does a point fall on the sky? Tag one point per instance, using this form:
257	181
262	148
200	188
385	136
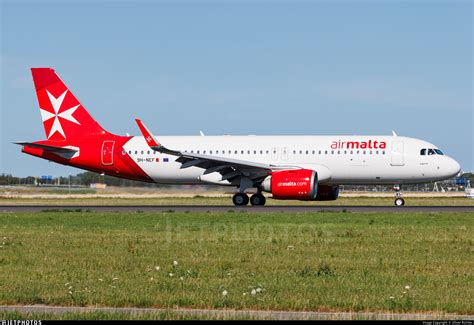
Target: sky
243	67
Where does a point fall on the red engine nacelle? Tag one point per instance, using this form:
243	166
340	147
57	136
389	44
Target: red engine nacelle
298	184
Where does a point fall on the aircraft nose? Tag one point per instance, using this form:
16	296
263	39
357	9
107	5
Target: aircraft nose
452	167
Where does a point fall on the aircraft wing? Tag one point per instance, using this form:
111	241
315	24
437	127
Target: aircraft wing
47	148
230	169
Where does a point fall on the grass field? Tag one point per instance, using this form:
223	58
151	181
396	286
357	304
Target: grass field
308	261
223	201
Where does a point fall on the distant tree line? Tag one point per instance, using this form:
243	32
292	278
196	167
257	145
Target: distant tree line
81	179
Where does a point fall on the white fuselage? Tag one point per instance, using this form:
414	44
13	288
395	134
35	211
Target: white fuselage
337	159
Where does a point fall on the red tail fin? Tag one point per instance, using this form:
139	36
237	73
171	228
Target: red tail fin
62	114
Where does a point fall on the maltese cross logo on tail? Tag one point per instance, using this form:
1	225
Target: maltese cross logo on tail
65	114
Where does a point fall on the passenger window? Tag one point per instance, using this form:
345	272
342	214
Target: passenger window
267	152
325	152
314	152
319	152
338	152
261	152
307	152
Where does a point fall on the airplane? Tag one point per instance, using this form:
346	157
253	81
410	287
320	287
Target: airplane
309	168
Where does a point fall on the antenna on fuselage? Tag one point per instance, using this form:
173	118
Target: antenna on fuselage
394	134
202	134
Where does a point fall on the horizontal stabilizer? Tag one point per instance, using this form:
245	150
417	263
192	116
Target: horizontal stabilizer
47	148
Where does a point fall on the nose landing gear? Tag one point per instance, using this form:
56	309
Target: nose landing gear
399	201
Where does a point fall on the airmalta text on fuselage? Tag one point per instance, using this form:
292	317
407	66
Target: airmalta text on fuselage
371	144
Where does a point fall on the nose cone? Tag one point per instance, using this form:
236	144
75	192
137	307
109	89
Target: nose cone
452	167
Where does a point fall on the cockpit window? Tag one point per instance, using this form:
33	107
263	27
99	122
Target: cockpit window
424	152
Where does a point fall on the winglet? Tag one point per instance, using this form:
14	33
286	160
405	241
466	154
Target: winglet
149	138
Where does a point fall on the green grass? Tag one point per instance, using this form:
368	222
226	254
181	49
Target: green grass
100	315
302	261
200	200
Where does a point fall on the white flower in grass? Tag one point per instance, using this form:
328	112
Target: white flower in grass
151	279
224	293
254	292
181	278
392	297
244	294
101	280
175	263
157	268
171	274
407	287
70	292
259	290
114	279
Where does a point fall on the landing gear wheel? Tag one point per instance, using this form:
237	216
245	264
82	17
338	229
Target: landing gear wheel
240	199
399	202
257	199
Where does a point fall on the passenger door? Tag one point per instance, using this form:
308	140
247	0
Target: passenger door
398	158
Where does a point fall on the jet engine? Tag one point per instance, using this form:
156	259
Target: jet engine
298	184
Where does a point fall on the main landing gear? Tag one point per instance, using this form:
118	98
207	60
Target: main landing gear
242	199
399	201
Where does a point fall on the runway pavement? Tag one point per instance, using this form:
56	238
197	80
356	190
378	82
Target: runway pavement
252	314
215	208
